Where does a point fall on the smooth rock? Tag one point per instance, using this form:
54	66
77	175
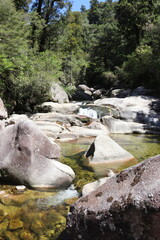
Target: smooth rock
122	93
120	126
67	136
57	117
28	157
2	125
97	125
137	109
90	187
104	150
58	94
16	118
126	207
98	93
83	87
86	132
65	108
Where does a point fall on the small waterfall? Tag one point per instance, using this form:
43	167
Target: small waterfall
93	111
88	112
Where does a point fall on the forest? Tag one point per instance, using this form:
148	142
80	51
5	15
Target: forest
111	44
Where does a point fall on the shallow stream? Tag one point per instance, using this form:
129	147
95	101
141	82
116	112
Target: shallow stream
35	215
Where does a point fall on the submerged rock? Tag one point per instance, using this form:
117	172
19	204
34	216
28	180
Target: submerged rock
28	157
126	207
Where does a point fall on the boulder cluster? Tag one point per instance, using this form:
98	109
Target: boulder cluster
30	156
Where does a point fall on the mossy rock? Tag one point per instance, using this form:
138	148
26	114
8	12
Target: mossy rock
4	226
2	215
26	235
42	237
37	227
15	224
11	236
83	175
50	233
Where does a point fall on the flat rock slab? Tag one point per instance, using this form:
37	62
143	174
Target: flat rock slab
64	108
126	207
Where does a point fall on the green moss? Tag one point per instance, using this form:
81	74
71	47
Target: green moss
26	235
83	175
15	224
11	236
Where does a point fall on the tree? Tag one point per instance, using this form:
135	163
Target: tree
49	11
93	14
14	47
132	16
22	4
83	8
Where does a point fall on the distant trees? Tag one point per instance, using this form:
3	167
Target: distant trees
133	16
43	41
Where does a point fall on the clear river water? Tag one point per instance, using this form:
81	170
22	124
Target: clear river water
35	215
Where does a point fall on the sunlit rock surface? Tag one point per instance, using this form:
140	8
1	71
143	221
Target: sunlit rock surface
90	187
104	149
138	109
30	158
120	126
126	207
57	94
64	108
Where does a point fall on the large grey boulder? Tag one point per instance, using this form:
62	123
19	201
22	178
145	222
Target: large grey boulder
28	157
3	111
126	207
104	150
57	94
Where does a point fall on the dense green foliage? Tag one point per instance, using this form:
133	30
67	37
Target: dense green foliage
43	41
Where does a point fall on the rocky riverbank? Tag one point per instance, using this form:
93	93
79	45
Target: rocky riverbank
30	155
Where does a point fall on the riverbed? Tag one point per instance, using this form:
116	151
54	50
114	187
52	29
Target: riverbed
35	215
